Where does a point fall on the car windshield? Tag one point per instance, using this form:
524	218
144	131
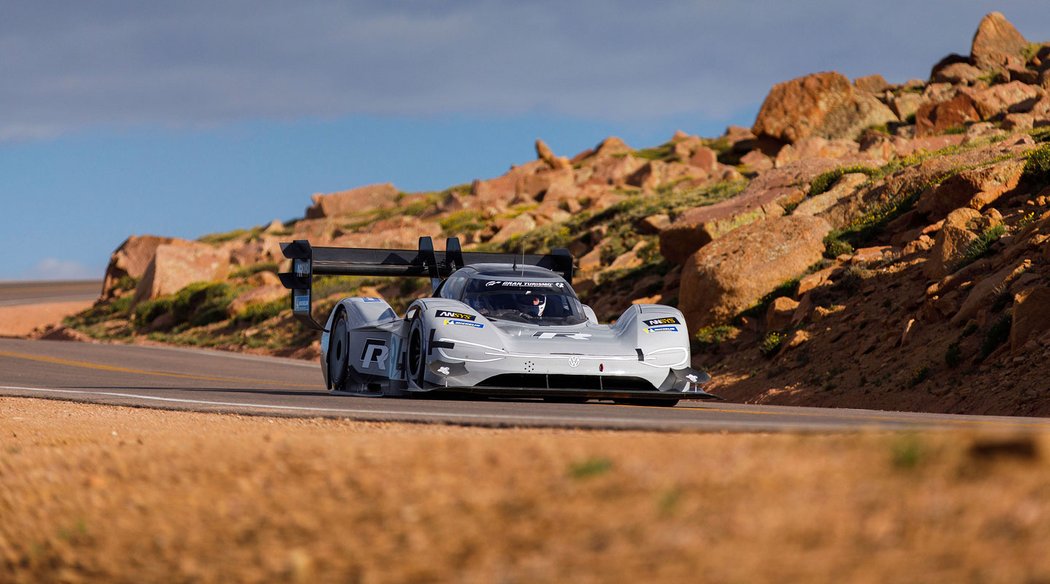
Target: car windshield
536	302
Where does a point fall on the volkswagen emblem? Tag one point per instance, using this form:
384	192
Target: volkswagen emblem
574	361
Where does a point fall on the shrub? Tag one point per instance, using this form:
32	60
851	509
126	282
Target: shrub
980	247
834	247
256	313
996	335
148	311
712	336
918	375
202	303
953	356
771	343
1037	167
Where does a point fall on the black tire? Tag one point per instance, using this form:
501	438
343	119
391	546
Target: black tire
339	354
416	355
656	403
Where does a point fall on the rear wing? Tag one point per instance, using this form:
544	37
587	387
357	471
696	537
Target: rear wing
400	263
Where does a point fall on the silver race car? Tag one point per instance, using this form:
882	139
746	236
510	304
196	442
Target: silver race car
495	325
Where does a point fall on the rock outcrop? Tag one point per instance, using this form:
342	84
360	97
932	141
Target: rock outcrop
130	260
174	266
735	271
823	105
997	45
351	201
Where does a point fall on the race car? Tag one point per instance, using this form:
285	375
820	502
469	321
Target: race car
496	325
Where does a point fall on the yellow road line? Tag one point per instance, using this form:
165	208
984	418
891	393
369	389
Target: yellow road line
119	369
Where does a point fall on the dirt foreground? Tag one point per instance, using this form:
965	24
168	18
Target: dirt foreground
108	494
20	320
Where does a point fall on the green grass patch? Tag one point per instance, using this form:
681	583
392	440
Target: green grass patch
592	467
661	152
246	234
824	181
788	288
461	222
981	246
710	337
253	269
259	312
1037	167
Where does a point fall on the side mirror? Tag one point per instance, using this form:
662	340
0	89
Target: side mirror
589	313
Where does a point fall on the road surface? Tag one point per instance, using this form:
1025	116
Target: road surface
192	379
20	293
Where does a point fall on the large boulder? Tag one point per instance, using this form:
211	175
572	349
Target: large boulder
997	44
765	196
176	265
957	74
1004	98
1031	316
733	272
130	260
937	117
974	188
352	201
822	104
951	243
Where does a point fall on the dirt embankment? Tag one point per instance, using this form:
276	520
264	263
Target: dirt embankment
105	494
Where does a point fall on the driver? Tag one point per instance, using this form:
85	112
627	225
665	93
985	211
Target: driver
533	304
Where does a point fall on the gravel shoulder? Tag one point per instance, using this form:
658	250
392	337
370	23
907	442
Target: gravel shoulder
111	494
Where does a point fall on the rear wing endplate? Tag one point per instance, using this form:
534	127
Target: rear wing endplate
402	263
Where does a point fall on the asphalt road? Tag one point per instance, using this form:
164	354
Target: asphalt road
191	379
16	293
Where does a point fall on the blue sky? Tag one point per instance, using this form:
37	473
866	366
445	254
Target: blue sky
194	117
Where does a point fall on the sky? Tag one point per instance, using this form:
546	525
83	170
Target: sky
192	117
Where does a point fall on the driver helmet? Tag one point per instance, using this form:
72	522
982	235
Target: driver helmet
533	304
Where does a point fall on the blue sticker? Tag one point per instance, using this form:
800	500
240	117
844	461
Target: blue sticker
657	329
464	323
370	299
302	303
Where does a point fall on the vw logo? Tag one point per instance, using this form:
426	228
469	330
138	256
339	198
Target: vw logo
574	361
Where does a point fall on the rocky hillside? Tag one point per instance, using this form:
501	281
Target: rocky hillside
863	244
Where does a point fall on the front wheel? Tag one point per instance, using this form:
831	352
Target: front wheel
416	355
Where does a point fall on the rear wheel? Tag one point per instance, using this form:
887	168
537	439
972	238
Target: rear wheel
339	354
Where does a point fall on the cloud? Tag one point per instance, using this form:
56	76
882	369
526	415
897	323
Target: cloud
56	269
74	65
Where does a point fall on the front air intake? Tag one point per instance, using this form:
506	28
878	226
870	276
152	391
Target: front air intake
580	382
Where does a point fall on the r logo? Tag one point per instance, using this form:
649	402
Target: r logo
375	352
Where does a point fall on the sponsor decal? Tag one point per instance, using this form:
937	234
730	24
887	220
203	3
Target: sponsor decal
576	336
477	325
506	284
659	321
371	299
302	303
444	370
454	314
375	351
660	329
